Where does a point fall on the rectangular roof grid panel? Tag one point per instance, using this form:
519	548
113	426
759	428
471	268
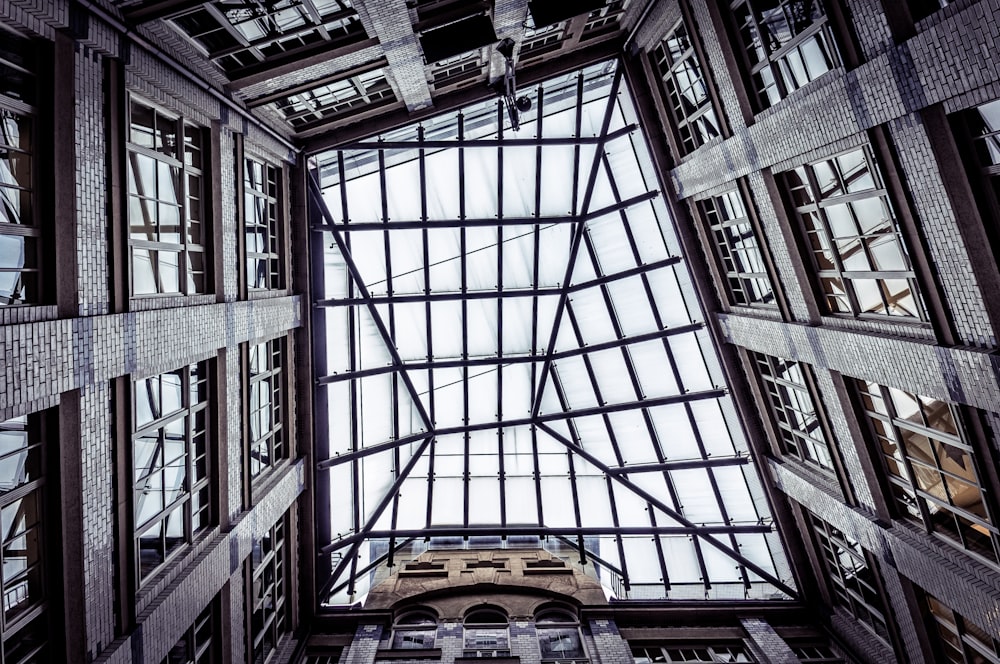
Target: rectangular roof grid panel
565	344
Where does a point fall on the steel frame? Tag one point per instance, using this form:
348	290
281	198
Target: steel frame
543	367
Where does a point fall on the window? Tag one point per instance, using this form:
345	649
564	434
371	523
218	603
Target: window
267	438
262	222
686	88
269	574
853	238
980	127
559	636
465	67
816	654
414	630
603	20
786	44
171	463
166	204
931	468
20	231
699	653
793	408
961	641
195	646
851	577
737	250
24	584
305	110
538	41
921	9
486	634
240	35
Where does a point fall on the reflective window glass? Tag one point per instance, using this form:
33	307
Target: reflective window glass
171	443
166	207
786	44
853	238
932	469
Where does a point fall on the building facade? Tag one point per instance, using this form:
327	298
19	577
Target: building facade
830	168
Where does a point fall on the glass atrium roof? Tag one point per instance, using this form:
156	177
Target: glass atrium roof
509	350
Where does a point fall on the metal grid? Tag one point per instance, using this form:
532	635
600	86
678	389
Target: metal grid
508	345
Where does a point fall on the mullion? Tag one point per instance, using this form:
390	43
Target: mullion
499	373
463	267
353	356
609	303
647	288
616	522
571	425
542	532
429	336
535	267
394	406
376	317
524	421
661	559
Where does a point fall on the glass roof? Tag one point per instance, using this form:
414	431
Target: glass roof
509	350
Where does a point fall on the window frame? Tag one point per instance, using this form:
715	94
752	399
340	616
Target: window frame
775	63
184	249
819	237
709	649
271	225
685	125
783	425
983	172
502	648
276	438
187	414
17	629
903	489
400	628
958	629
195	652
568	623
723	251
831	546
259	562
29	111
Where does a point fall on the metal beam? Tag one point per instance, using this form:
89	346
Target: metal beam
540	141
714	462
523	421
706	537
512	359
543	531
577	241
390	494
500	292
376	317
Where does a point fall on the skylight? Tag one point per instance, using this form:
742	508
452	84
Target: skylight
509	349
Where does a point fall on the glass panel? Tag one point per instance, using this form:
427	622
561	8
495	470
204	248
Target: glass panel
545	338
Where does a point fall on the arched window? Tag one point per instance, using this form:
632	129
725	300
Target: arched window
559	636
486	634
414	630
